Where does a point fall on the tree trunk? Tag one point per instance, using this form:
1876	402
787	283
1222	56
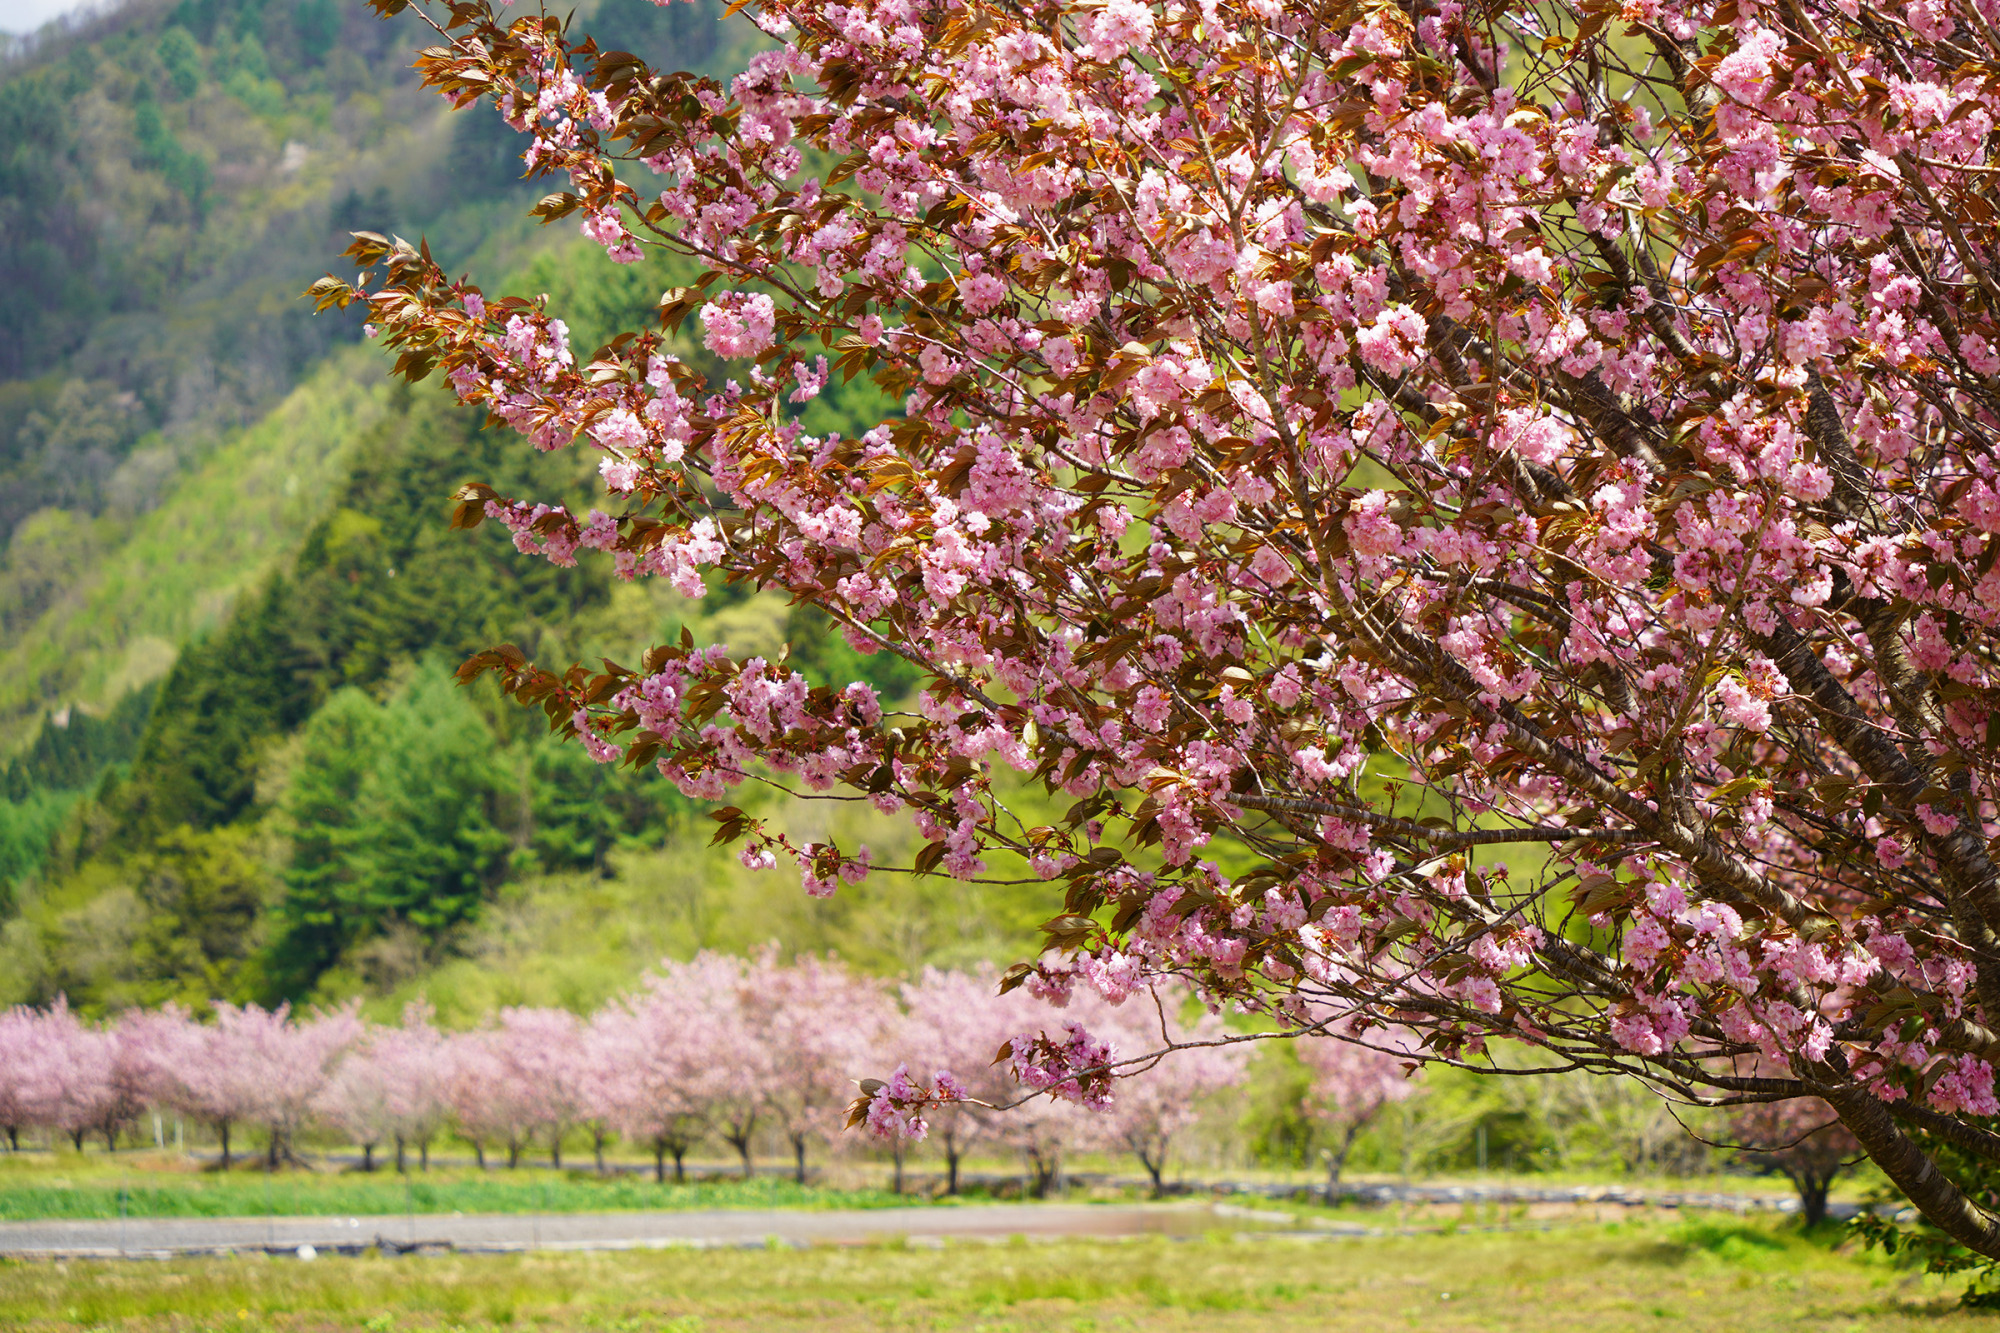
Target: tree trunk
76	1137
555	1149
478	1152
1043	1170
660	1164
897	1152
951	1159
680	1176
367	1157
222	1128
1335	1161
1812	1197
110	1137
513	1154
597	1147
742	1145
271	1151
13	1138
799	1158
402	1158
1154	1168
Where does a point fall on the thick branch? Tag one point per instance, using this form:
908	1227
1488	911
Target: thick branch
1961	854
1936	1197
1981	1143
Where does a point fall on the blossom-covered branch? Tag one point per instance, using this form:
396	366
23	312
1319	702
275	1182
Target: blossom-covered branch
1356	431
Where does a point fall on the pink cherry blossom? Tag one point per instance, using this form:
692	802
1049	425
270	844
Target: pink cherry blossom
1620	455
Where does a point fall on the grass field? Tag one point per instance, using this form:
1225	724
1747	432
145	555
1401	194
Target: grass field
97	1189
1692	1274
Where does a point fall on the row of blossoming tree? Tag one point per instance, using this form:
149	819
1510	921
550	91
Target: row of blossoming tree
720	1050
1360	432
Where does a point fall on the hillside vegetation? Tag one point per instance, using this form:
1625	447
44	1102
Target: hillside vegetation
235	763
171	177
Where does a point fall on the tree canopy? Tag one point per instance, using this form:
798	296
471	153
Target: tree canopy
1340	438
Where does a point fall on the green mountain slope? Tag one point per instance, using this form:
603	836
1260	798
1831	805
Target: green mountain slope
229	600
127	599
172	176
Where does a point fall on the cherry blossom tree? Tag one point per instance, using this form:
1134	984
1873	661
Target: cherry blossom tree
955	1022
70	1075
628	1048
716	995
512	1080
1154	1105
1803	1140
133	1082
75	1077
223	1080
272	1067
389	1087
1046	1130
158	1053
823	1028
539	1052
1364	436
480	1095
356	1100
1353	1082
17	1044
79	1078
600	1079
416	1070
194	1069
660	1065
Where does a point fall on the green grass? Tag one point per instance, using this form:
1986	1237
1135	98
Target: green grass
1703	1275
107	1193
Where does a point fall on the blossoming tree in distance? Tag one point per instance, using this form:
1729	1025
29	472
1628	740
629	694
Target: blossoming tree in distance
1802	1139
1352	1084
1341	438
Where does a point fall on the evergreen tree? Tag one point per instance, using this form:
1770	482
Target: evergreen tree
581	810
225	698
394	818
577	816
433	846
203	892
340	746
381	581
72	748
